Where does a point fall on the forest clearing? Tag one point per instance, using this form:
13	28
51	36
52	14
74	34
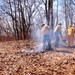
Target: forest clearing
37	37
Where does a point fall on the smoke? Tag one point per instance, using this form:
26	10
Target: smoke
37	48
37	37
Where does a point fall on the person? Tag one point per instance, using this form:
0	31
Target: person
70	32
57	32
45	29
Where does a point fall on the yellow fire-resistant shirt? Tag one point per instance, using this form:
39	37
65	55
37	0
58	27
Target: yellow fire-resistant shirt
70	30
57	28
45	29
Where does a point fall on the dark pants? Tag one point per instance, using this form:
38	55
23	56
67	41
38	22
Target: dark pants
46	38
56	39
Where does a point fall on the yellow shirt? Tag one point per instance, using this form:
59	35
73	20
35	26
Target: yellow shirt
70	30
57	28
45	29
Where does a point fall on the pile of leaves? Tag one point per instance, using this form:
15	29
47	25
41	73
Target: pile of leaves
13	61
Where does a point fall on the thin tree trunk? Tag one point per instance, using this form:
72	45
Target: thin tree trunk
16	25
57	12
65	13
12	19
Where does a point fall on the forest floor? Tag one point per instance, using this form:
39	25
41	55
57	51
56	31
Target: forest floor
25	58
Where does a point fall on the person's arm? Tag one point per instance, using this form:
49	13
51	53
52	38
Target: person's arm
73	29
49	29
60	32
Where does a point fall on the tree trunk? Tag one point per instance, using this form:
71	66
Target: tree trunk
49	12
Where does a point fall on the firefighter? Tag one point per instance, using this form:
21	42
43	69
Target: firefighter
57	32
70	32
45	29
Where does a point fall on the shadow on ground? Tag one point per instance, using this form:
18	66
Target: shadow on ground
63	51
67	46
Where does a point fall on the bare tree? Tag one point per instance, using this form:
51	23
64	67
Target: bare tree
49	11
21	13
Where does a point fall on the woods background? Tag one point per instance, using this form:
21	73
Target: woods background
20	18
